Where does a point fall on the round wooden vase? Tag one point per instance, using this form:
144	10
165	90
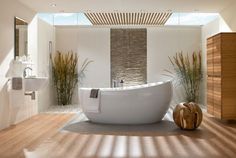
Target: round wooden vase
187	115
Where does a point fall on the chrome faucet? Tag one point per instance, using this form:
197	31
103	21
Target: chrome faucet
114	83
25	71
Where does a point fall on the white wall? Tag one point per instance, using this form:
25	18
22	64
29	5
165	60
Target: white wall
40	33
91	43
228	16
94	43
45	34
8	9
167	41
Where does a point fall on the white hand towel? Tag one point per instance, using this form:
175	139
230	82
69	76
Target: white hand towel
88	104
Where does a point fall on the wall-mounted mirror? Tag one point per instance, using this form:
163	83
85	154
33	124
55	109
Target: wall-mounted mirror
21	37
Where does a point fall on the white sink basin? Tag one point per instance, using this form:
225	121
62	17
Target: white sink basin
34	83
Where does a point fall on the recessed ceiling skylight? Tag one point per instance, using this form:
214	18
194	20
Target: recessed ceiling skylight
47	17
191	18
65	18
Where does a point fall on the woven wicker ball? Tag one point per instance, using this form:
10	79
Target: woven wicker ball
187	115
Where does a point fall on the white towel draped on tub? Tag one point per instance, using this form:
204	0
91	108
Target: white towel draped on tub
89	104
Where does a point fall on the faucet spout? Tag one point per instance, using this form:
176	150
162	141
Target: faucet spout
25	71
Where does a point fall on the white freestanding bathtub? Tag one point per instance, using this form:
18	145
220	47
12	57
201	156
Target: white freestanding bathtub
132	105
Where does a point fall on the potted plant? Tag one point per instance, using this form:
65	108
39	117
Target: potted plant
65	75
188	73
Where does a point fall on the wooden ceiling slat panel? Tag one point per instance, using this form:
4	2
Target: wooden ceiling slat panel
133	18
158	19
124	15
164	18
151	18
143	18
105	18
148	18
155	19
140	18
114	20
97	18
129	18
94	19
101	19
136	18
110	17
119	18
167	17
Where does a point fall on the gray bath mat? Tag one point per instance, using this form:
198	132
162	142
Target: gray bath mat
87	127
80	124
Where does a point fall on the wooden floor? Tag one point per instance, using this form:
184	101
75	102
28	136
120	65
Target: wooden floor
40	137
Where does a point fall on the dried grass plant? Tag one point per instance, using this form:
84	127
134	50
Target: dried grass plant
65	75
188	70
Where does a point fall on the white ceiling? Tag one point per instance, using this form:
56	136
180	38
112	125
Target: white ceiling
127	5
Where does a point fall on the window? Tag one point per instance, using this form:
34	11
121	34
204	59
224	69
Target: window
65	18
191	18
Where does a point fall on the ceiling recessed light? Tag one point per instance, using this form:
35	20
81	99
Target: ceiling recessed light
53	5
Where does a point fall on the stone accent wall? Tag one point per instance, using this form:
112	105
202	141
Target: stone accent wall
129	56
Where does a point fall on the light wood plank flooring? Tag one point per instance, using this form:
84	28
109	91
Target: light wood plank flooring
40	137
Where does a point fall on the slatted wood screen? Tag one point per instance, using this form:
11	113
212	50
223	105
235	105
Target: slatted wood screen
128	18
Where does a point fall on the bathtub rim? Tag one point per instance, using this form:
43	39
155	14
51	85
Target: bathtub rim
143	86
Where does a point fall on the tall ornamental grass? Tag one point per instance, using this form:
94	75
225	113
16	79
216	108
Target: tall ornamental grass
66	76
188	70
